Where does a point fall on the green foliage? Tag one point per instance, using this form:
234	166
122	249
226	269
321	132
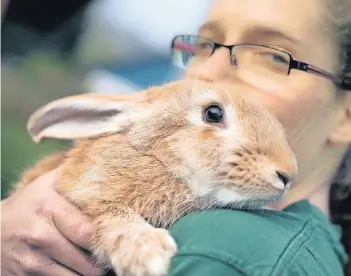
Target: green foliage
26	85
19	152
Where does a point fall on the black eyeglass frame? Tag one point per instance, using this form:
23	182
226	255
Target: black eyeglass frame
342	82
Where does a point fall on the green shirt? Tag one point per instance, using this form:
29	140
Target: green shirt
299	240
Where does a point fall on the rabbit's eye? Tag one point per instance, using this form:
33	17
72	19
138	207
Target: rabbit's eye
213	114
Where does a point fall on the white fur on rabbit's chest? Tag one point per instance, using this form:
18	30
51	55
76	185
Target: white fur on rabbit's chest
201	186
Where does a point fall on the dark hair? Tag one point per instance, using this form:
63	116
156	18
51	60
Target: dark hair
340	195
340	204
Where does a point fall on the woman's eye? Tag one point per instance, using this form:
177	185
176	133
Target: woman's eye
277	58
213	114
203	45
203	49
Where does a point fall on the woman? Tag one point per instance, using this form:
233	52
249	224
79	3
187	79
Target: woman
315	108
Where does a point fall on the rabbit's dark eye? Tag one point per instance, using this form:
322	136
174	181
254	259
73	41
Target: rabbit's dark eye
213	114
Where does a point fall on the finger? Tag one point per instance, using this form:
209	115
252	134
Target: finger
54	268
72	223
36	262
32	181
67	218
48	178
54	175
64	252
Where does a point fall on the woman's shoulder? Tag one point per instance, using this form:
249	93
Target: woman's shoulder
296	241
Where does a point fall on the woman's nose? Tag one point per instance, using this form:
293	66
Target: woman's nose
216	67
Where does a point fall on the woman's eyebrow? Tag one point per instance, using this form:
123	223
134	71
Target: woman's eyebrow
258	32
214	29
251	33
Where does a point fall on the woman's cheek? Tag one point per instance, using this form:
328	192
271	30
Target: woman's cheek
304	108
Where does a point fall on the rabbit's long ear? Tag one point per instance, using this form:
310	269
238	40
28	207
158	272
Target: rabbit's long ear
85	116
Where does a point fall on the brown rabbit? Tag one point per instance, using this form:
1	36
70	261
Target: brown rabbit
143	160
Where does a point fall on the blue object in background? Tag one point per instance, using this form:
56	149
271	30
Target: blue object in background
154	71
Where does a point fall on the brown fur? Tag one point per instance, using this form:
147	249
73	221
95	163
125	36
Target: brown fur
151	172
44	166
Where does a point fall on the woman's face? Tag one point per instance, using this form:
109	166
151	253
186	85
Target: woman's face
309	106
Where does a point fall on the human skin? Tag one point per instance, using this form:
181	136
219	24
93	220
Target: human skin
312	109
314	112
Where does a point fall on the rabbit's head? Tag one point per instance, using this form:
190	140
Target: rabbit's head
228	150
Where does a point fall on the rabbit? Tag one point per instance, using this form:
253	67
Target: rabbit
141	161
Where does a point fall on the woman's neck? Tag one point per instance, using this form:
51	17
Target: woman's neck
319	198
315	187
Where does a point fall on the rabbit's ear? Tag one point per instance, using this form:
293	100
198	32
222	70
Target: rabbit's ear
84	116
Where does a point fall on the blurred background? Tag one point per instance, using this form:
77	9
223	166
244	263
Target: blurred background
52	49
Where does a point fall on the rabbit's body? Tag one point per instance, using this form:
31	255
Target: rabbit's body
113	173
142	161
45	165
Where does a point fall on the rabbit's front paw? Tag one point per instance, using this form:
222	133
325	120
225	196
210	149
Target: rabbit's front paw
146	251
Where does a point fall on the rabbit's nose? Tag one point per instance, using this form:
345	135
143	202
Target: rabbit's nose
283	177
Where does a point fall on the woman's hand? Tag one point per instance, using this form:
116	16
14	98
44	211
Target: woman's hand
43	234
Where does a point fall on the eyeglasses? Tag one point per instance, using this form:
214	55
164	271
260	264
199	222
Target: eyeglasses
253	62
